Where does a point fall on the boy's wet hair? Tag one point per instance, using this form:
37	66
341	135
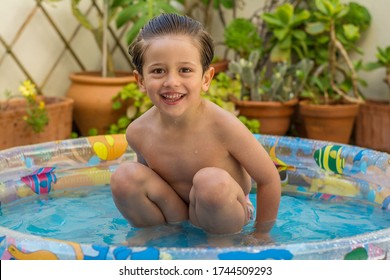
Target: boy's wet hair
172	24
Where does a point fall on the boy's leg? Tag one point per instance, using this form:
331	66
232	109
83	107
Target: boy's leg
217	202
145	199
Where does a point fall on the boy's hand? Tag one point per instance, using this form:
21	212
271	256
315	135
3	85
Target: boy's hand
257	239
260	235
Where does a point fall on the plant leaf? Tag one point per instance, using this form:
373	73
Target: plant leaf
315	28
121	3
285	13
351	32
320	4
228	4
133	32
281	34
279	55
301	17
271	20
299	34
165	7
129	14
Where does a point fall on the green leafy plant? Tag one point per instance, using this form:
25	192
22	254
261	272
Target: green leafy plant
135	12
286	24
99	30
36	115
252	124
333	30
204	10
252	33
383	61
220	90
242	37
271	53
139	12
137	103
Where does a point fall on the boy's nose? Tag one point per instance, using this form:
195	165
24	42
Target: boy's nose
172	80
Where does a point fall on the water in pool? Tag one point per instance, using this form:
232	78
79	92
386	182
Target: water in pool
89	216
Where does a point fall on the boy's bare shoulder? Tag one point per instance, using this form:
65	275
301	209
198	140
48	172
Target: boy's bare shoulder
141	123
140	127
221	118
226	126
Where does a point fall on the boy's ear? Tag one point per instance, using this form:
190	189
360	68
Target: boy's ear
207	77
140	81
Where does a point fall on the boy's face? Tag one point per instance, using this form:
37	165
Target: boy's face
172	74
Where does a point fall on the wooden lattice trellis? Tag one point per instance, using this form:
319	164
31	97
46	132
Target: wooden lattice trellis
116	43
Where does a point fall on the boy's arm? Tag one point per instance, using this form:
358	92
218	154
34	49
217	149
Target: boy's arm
267	200
257	162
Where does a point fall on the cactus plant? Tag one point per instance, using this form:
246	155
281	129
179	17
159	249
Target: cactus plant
246	72
285	83
288	80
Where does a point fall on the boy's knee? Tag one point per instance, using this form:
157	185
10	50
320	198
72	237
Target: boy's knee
126	178
210	184
211	176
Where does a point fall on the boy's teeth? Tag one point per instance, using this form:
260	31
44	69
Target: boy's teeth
172	96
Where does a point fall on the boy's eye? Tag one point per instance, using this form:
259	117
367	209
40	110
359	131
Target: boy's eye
158	71
185	70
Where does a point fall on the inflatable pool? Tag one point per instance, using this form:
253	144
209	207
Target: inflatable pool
311	169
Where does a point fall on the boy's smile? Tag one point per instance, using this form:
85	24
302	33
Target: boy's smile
172	98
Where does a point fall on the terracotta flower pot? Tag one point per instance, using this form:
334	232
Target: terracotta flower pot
274	117
329	122
14	131
372	128
92	95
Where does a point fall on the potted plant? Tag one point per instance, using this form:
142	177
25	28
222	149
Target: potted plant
270	83
272	101
374	116
331	97
92	91
29	118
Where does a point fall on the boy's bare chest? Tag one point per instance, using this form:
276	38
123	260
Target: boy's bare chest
177	160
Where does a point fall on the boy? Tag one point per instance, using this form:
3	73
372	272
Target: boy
195	160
